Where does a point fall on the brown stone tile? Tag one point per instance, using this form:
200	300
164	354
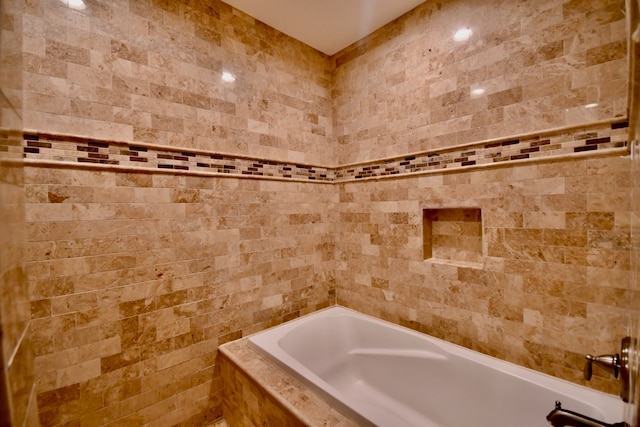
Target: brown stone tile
52	399
67	53
606	53
40	308
129	52
590	220
119	361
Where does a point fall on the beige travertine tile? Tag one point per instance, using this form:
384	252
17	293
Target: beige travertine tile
532	79
154	271
157	290
547	244
155	68
17	345
269	395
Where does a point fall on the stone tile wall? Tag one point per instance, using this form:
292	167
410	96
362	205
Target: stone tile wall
150	71
137	275
633	409
553	280
44	148
17	391
136	278
452	234
528	66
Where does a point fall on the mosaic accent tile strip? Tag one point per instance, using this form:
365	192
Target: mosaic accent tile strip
49	147
598	138
90	151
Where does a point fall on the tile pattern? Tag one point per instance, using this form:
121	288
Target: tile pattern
63	148
409	87
17	380
545	145
17	374
256	392
135	278
453	235
553	273
150	71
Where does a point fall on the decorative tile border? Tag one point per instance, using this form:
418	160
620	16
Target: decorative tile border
544	145
48	147
597	139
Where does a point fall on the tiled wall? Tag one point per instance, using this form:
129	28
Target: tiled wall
452	234
600	139
552	283
150	71
136	278
555	258
596	138
633	409
142	258
410	87
17	391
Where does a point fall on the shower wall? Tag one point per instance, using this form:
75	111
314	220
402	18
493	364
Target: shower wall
552	281
141	261
527	261
150	71
633	408
137	273
17	396
528	66
136	278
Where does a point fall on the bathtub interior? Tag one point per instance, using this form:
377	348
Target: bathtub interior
344	337
384	374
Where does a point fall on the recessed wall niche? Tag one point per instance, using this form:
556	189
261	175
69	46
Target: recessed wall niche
452	235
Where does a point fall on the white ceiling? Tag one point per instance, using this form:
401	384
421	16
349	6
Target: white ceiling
327	25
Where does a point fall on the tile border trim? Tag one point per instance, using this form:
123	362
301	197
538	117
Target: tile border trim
56	149
596	139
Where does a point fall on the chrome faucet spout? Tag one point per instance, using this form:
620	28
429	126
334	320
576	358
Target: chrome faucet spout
564	418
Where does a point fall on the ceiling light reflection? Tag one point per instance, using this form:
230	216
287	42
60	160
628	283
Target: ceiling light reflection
74	4
462	34
228	77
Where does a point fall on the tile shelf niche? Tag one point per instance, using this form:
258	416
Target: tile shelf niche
453	236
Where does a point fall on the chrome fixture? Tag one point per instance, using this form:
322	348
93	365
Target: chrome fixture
616	364
608	362
564	418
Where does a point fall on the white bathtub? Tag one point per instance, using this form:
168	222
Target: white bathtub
385	375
